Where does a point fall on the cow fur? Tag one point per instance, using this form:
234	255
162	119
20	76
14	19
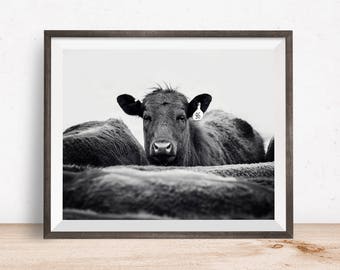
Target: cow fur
102	143
118	191
220	138
270	151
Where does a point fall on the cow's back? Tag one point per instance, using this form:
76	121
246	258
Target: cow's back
234	137
102	143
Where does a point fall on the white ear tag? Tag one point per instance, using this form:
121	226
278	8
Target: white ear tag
198	114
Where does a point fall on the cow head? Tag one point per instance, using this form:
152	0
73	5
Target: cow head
166	115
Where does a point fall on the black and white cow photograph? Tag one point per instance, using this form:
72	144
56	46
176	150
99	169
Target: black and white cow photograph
168	134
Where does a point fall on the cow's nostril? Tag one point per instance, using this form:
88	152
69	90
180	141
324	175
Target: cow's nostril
162	147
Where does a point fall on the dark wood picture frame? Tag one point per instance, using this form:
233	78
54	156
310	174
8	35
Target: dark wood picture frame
287	35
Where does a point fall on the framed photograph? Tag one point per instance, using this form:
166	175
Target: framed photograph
168	134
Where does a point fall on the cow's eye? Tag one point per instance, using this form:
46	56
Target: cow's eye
147	117
181	117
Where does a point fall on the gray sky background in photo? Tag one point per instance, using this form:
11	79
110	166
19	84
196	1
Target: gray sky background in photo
241	82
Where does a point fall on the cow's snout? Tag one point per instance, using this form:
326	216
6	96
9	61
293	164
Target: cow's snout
162	148
162	152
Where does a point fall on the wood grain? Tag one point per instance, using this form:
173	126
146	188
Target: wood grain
315	246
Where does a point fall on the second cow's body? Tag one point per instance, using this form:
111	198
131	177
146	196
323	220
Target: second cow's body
220	138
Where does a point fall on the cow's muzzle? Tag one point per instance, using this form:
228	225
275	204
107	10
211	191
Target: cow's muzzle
162	152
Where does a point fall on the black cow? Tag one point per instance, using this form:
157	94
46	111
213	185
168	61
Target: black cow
102	143
270	151
153	192
172	137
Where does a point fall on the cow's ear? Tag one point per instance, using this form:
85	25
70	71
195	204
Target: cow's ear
130	105
203	99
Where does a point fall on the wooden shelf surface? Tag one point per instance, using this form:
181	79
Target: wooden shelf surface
315	246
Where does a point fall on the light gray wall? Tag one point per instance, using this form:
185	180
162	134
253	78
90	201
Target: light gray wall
316	27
